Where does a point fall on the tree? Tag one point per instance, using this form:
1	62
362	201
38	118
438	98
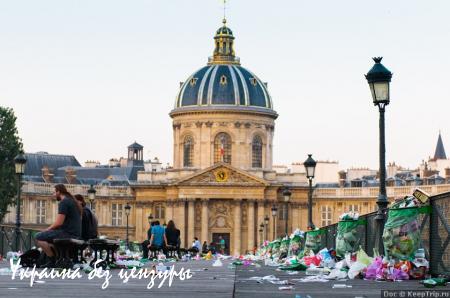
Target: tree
10	146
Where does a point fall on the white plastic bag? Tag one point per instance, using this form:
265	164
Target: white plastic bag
355	269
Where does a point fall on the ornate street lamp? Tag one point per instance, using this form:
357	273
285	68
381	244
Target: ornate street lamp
266	226
19	162
379	78
262	228
310	166
91	196
274	214
127	213
287	196
150	219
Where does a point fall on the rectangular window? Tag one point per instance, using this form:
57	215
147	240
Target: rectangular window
41	213
326	215
159	211
353	208
117	211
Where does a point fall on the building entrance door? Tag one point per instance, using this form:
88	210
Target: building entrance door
216	240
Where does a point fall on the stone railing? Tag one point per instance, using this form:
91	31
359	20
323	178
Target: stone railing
102	190
368	192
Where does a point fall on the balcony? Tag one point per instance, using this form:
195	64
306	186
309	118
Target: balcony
102	190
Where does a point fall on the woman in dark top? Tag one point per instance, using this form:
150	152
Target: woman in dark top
172	234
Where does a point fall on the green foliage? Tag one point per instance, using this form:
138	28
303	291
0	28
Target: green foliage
10	146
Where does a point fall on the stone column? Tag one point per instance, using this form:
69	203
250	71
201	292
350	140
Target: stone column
237	228
169	210
205	222
139	225
181	220
191	220
294	217
260	220
251	224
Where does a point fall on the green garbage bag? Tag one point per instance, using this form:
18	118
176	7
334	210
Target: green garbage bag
295	245
294	267
348	236
284	247
401	235
313	240
276	248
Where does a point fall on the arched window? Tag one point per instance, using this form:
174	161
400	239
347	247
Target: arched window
188	151
222	148
257	152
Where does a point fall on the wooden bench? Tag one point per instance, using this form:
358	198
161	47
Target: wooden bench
67	251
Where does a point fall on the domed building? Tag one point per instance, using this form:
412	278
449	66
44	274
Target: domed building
223	113
222	183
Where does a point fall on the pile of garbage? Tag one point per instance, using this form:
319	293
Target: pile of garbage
402	259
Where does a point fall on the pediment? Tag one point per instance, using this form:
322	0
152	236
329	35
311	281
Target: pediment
222	174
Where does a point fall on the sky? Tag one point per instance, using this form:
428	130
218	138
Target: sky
90	77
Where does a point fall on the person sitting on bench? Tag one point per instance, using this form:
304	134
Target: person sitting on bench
173	236
89	223
147	241
66	225
157	238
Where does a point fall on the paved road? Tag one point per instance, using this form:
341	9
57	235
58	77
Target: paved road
212	282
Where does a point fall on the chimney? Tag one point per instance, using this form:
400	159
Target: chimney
71	175
47	174
342	178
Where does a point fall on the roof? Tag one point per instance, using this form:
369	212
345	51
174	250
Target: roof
135	146
37	161
439	153
222	84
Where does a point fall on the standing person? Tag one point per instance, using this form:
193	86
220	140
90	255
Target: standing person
89	223
66	225
172	236
222	245
146	242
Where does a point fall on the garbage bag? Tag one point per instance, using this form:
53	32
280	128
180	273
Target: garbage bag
276	248
401	235
348	236
313	240
295	245
284	247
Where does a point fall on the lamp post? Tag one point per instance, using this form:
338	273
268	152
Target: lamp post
274	214
127	213
310	166
91	196
287	196
379	78
266	226
262	230
19	162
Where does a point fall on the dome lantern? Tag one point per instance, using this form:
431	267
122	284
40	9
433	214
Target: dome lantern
224	50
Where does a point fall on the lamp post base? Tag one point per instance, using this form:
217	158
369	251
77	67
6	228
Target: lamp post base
380	219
